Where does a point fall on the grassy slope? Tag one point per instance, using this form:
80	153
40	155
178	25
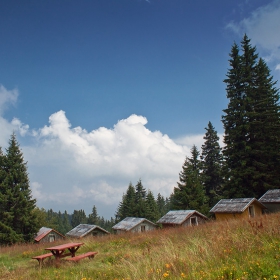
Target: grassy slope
216	250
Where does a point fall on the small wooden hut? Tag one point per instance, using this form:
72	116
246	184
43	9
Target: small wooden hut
46	235
84	230
132	224
239	208
182	218
271	200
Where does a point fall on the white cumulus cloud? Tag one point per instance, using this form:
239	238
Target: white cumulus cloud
71	168
77	168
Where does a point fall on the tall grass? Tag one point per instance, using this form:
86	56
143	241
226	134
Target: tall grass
248	249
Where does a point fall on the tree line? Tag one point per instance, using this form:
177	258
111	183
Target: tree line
247	166
137	202
64	222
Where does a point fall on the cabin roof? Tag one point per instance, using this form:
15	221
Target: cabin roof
271	196
234	205
178	216
44	231
130	222
83	229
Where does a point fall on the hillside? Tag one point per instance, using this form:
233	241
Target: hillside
228	250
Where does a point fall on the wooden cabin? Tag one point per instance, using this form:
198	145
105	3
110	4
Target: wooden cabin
46	235
271	200
182	218
85	230
240	208
131	224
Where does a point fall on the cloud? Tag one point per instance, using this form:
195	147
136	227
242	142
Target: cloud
262	26
73	168
190	140
7	98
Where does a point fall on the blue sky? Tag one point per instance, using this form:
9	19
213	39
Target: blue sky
103	93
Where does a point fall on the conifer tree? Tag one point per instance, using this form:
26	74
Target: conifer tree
152	212
66	222
17	206
161	204
93	218
211	164
140	201
126	207
264	132
251	124
190	193
78	217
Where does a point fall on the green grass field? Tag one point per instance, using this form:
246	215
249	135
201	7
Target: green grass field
217	250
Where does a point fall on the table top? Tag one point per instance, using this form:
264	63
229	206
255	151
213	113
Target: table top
65	246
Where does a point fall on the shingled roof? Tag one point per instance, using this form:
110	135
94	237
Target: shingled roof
178	216
129	223
271	196
234	205
84	229
45	231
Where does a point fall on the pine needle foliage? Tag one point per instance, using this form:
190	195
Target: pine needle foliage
18	218
251	123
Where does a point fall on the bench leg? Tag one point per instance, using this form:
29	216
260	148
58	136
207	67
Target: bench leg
40	263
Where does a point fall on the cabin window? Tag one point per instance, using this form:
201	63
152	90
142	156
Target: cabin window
193	221
251	211
143	228
51	238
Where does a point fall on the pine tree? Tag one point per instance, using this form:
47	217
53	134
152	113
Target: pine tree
140	201
78	217
211	163
190	193
17	211
234	125
152	212
93	218
126	207
264	132
161	204
66	222
52	219
251	124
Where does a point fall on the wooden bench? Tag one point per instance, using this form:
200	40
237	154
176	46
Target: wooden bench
89	255
41	258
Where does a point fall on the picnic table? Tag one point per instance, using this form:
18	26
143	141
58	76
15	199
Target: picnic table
59	251
64	250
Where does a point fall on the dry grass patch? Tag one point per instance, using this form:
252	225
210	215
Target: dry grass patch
239	250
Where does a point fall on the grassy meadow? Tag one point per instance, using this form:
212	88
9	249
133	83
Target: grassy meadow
217	250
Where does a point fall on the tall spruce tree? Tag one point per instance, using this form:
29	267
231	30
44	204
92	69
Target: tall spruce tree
211	164
264	132
140	200
126	207
190	192
161	204
93	217
152	211
251	124
7	234
18	215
